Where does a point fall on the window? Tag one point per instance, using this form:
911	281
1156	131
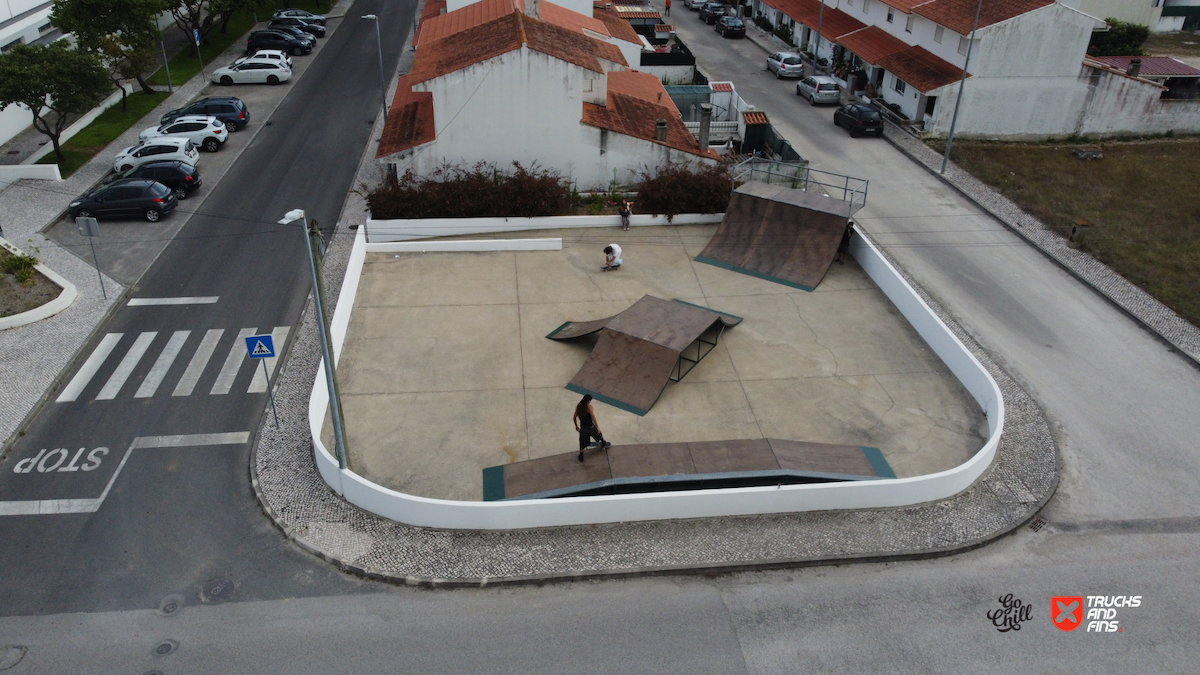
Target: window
938	33
12	44
962	45
908	24
891	14
899	86
45	28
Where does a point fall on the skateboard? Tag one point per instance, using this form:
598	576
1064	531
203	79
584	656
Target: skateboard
606	268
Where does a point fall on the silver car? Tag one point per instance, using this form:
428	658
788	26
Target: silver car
785	64
819	89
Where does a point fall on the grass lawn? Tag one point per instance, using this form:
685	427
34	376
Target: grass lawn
104	130
1140	201
1173	44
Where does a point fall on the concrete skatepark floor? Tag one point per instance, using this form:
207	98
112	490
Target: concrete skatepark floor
446	369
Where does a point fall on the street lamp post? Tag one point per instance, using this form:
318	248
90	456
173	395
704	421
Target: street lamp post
379	46
961	85
312	242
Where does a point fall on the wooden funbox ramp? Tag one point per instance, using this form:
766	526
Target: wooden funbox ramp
657	467
640	350
779	234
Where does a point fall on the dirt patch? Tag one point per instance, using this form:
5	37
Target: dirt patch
17	297
1140	203
1178	44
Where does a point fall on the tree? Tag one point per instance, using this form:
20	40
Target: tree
53	82
123	34
1121	39
204	15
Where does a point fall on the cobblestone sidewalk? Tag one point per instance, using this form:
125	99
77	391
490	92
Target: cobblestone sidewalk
1018	484
1155	316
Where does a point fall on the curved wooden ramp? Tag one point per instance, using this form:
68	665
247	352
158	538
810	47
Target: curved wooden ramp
640	350
779	234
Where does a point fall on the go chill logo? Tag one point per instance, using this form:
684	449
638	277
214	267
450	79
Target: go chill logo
1068	612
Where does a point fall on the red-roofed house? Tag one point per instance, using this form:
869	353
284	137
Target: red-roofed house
493	84
1024	77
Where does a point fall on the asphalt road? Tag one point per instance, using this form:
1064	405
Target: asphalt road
177	517
1124	521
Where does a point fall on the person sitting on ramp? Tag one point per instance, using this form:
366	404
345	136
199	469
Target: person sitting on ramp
587	426
612	257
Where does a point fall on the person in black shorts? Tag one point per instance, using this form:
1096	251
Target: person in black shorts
587	426
844	245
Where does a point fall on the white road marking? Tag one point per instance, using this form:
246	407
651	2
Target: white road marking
259	384
191	440
233	363
195	300
58	506
163	364
199	360
135	353
88	370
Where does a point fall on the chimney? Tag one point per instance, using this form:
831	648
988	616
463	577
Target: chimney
1135	67
660	131
705	123
531	9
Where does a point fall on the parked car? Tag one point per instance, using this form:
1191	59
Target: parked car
271	39
156	149
819	89
229	109
182	178
297	33
312	28
299	14
859	118
267	55
785	64
205	131
252	72
731	26
711	11
694	4
138	198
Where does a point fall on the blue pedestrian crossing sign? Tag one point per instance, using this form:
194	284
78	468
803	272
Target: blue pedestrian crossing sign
260	347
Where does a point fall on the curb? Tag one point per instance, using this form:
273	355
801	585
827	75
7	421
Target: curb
1144	323
44	311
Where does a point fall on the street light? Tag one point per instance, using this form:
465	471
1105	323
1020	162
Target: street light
379	45
312	242
961	85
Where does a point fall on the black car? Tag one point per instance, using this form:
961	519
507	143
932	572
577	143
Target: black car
274	39
731	26
712	11
300	14
138	198
859	118
313	29
297	33
181	177
229	109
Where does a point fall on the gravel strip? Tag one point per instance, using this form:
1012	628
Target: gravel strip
1152	314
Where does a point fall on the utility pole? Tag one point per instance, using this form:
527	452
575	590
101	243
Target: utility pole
961	85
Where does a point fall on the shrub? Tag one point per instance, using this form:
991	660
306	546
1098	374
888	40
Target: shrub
679	189
454	191
784	32
1121	39
20	266
764	23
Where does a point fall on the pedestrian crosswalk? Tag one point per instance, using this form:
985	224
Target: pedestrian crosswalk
169	348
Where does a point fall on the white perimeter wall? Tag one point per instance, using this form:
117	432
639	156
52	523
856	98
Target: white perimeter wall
425	512
1124	105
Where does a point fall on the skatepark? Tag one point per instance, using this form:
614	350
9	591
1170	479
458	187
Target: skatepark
447	371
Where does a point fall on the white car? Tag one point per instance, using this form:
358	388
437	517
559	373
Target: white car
204	131
271	72
267	55
157	149
785	64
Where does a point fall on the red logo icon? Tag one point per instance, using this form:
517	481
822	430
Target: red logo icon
1066	612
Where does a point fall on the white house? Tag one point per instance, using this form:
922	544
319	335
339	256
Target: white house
545	86
22	22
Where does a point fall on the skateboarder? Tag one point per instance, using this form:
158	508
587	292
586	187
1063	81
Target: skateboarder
612	257
844	246
587	426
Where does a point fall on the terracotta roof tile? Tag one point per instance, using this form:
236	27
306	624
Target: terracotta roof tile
410	120
722	86
872	43
1152	66
634	117
754	117
459	50
834	22
617	27
921	69
564	18
432	8
959	15
636	12
642	86
474	14
905	6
